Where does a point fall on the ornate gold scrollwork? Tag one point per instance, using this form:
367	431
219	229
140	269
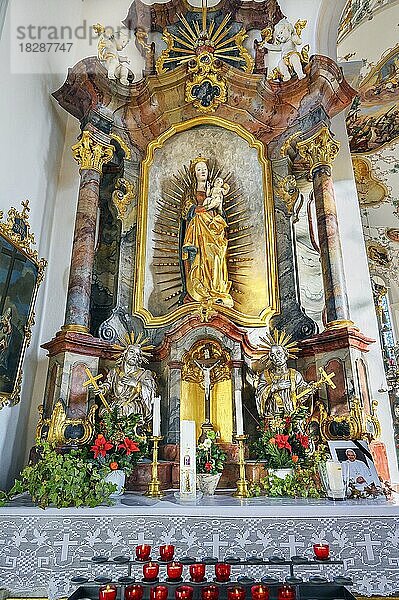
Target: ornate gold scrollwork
288	191
54	428
354	426
206	349
206	87
123	196
92	154
320	149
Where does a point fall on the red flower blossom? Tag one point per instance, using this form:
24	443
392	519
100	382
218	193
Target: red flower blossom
282	441
208	466
129	445
101	446
295	458
303	440
287	421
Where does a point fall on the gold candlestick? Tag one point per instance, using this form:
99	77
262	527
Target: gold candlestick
242	483
154	487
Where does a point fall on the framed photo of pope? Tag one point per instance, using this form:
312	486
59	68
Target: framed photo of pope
358	469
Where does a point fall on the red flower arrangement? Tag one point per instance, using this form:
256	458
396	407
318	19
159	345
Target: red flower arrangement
117	446
282	443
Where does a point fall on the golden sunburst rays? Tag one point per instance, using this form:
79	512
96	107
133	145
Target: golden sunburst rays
279	338
240	241
187	39
141	341
167	255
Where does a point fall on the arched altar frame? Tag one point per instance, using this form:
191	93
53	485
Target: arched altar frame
271	276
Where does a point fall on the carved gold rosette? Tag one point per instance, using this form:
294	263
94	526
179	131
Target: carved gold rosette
288	191
92	154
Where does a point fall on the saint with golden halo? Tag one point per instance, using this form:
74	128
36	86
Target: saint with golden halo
204	248
277	386
129	386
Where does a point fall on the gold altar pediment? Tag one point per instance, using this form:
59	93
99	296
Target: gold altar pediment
233	263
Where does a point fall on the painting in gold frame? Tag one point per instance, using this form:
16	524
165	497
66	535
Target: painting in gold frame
21	272
235	156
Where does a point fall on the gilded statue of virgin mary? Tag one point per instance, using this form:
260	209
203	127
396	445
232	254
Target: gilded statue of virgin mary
204	235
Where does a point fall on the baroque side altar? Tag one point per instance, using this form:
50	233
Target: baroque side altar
184	232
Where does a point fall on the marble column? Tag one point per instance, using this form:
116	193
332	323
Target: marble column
91	154
320	150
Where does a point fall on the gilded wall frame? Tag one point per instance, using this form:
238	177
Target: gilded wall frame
270	305
21	273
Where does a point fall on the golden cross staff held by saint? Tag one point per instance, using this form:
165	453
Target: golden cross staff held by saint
324	378
93	381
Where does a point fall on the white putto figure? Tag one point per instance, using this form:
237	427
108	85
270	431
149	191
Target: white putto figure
286	40
214	200
109	45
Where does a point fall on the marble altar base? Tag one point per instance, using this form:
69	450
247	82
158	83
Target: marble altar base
39	548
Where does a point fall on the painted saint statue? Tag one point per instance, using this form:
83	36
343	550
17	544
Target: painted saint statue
129	386
204	247
277	385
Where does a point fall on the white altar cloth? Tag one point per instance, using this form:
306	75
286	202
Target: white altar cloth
46	547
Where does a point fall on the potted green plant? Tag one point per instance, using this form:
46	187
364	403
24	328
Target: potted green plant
210	463
62	479
282	444
117	447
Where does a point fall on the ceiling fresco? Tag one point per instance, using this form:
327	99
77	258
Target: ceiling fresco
373	130
373	119
357	12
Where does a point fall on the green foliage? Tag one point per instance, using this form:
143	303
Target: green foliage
117	445
303	483
210	457
281	441
63	480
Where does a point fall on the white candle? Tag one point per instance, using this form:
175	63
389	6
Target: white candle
239	416
188	467
156	417
334	475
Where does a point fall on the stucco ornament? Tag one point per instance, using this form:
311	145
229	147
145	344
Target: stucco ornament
287	40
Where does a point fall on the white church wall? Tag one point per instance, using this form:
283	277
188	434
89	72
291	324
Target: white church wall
358	283
32	144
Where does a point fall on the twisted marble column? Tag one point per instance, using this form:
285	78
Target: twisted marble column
91	154
320	151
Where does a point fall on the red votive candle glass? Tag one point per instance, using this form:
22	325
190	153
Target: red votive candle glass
184	592
107	592
321	551
210	592
222	572
286	592
236	593
197	572
166	552
259	592
134	592
159	592
150	571
174	570
143	552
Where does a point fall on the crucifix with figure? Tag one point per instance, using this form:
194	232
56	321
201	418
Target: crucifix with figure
206	364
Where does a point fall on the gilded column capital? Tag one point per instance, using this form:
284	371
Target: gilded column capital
92	154
320	149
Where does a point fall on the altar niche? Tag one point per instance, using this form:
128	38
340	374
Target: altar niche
206	167
206	389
